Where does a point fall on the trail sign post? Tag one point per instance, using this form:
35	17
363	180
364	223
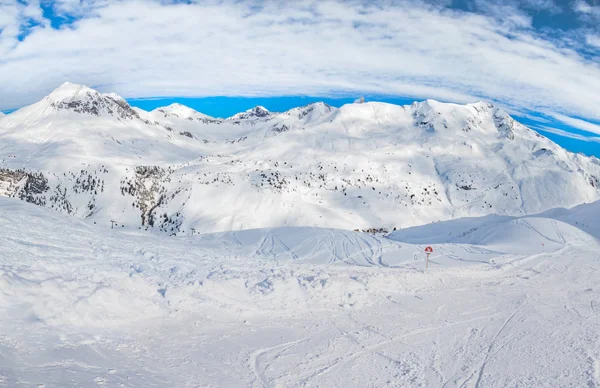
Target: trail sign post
428	251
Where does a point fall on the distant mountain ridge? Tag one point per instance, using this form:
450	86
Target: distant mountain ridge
363	165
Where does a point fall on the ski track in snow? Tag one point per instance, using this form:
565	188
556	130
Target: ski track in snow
297	307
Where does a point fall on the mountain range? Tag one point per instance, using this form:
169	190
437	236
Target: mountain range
363	166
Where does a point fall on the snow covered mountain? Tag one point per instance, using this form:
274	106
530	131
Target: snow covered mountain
290	304
180	112
256	113
367	165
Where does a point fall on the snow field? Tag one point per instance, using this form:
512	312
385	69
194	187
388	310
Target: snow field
81	305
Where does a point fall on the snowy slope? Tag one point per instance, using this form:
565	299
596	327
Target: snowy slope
368	165
254	114
583	217
82	305
181	112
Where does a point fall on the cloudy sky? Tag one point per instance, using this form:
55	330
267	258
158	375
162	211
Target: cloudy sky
539	59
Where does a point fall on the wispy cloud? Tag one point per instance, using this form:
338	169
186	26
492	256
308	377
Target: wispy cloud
586	8
15	18
409	48
570	135
76	8
593	40
578	123
542	5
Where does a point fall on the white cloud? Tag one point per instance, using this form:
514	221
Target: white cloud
507	12
570	135
588	13
14	17
150	48
593	40
582	6
542	5
578	123
76	7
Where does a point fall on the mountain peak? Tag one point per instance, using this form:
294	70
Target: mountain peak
427	105
482	105
181	111
310	111
258	112
68	91
177	106
84	100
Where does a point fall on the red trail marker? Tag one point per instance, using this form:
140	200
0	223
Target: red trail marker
428	251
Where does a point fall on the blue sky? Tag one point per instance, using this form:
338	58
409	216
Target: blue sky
538	59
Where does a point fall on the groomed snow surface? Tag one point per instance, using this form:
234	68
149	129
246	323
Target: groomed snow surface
506	302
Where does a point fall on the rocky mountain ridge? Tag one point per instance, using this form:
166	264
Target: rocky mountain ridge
361	166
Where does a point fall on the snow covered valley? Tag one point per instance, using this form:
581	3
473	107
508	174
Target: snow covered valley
505	302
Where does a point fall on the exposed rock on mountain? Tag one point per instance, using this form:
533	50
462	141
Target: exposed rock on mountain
361	166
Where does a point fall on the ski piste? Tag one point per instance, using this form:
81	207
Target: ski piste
83	304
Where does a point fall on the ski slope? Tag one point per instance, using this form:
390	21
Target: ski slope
506	301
